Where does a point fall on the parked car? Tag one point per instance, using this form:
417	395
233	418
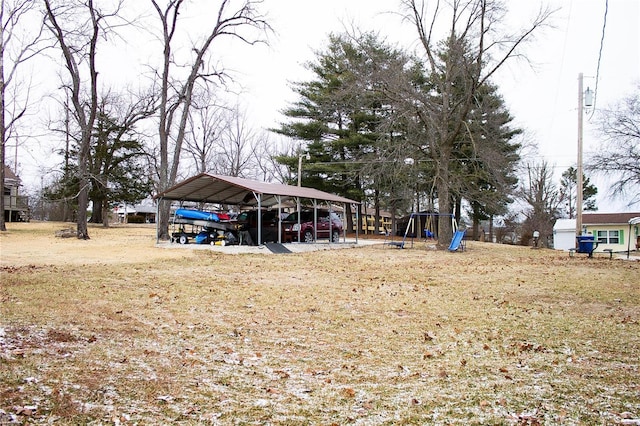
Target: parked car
247	227
308	230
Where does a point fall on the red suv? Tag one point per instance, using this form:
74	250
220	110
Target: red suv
324	228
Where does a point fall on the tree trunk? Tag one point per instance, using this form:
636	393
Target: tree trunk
445	231
104	212
81	219
348	213
96	214
490	229
376	220
458	209
3	133
475	229
3	226
164	214
83	195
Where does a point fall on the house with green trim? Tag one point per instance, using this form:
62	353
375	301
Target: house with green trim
612	231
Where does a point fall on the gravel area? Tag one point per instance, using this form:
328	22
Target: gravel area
293	247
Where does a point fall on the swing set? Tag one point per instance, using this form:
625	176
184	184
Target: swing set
414	224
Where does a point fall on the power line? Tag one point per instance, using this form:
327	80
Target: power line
562	64
604	27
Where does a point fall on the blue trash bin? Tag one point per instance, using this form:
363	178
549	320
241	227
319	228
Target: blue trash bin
585	243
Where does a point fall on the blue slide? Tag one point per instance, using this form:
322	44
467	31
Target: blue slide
457	241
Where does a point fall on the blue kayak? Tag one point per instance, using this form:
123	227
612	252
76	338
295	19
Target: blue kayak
197	215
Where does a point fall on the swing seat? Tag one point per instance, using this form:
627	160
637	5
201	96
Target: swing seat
387	235
399	244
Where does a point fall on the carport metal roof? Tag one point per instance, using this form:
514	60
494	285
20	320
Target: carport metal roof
211	188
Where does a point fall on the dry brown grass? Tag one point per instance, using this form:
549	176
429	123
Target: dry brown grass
116	331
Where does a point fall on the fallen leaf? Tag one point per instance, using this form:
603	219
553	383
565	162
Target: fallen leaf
349	392
27	410
283	374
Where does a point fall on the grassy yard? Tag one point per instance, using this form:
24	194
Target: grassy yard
115	330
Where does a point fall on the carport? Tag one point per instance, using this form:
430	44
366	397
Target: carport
230	190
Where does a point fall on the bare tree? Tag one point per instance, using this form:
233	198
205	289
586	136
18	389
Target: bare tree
541	195
116	163
237	145
77	27
619	153
471	53
264	153
176	95
17	45
205	125
220	140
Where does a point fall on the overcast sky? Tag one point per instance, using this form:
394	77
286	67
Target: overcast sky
542	96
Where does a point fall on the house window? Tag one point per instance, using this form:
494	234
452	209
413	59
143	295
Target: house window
609	237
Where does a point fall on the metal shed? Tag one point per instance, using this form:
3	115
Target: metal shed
219	189
564	234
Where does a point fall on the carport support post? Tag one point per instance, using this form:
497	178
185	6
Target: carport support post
629	242
315	220
357	210
344	223
633	221
330	222
259	198
299	221
279	200
158	215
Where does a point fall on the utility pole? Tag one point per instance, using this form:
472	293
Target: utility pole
308	157
583	99
579	168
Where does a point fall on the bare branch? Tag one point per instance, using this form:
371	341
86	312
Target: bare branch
618	155
175	107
